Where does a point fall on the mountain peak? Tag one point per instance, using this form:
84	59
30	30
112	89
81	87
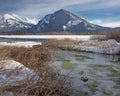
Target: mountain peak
63	20
61	11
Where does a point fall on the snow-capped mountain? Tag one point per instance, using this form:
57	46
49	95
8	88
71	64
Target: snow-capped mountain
12	22
63	20
59	21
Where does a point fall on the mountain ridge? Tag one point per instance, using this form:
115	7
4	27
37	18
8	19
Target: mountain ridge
63	20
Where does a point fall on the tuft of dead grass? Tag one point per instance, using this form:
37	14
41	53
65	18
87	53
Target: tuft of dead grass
30	57
114	35
54	43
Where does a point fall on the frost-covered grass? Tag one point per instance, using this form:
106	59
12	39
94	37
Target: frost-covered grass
104	47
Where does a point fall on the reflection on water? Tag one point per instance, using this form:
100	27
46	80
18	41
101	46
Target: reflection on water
102	71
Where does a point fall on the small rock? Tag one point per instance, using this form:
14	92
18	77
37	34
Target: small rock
84	79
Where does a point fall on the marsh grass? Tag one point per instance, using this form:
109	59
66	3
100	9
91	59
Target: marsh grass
106	91
117	94
117	61
114	73
45	81
114	35
68	65
98	65
81	72
82	58
65	44
93	86
117	86
111	34
79	93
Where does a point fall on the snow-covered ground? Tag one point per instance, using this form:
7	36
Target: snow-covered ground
20	43
12	73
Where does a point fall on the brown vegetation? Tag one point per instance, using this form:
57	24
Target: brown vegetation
46	83
111	34
5	52
37	55
46	80
114	35
54	43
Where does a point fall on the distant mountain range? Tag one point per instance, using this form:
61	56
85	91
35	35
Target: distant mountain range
12	22
59	21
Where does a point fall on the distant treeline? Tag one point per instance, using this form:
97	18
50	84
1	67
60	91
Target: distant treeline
112	32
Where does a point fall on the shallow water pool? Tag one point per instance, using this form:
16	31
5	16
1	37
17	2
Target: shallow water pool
102	71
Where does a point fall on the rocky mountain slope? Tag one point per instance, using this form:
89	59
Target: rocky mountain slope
11	22
63	20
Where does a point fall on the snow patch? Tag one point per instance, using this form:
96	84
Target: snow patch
12	71
20	44
76	22
32	21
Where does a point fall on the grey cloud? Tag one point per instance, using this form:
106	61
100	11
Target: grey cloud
35	8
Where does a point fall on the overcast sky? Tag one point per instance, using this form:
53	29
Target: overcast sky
102	12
